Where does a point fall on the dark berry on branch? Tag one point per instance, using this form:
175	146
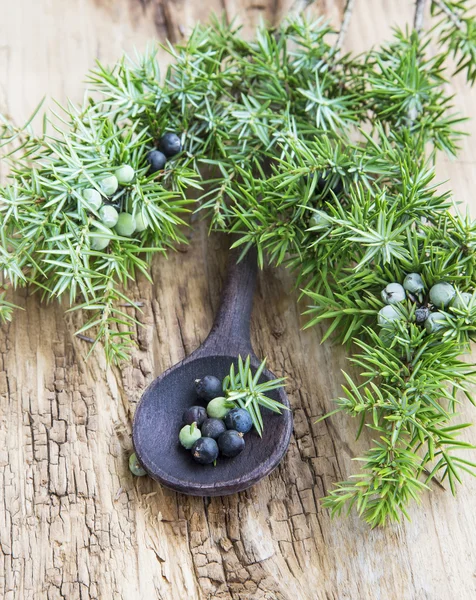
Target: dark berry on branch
422	314
322	184
231	443
205	451
170	144
156	160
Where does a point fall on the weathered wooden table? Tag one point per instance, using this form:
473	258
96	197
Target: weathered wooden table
74	523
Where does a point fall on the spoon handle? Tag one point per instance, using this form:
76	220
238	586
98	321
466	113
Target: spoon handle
230	333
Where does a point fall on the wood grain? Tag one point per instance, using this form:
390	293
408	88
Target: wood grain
74	524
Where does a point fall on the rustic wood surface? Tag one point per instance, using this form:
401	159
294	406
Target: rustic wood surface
74	523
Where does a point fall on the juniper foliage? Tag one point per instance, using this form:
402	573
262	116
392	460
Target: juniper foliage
243	387
324	162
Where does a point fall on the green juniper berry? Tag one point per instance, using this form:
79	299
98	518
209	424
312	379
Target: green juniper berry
189	434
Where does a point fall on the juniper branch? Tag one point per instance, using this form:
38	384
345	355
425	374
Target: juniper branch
444	8
344	26
324	162
419	14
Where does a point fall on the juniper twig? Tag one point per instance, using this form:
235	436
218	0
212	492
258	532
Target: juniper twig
420	6
441	4
344	26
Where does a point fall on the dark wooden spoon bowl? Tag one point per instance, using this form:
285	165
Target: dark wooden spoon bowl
158	417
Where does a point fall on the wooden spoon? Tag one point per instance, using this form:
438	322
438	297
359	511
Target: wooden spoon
158	418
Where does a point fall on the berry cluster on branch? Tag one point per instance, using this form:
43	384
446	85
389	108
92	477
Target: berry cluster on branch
325	162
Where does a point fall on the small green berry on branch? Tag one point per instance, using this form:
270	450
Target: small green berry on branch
126	224
108	215
109	185
93	198
124	174
141	224
435	322
462	301
387	314
99	238
393	293
413	283
319	220
441	294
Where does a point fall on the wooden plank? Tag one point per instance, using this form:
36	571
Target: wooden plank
74	523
